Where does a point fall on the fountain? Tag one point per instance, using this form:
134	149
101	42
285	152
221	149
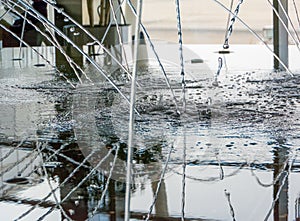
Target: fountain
145	129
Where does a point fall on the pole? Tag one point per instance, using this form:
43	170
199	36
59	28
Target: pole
132	112
280	35
130	17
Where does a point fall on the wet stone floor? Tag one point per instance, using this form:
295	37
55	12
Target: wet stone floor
232	154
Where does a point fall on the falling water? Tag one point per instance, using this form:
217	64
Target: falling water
131	132
220	60
230	27
255	34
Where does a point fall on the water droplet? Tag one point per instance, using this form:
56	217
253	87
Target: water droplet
226	46
253	143
229	145
60	10
215	83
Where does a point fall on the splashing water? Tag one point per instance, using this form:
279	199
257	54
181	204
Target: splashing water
220	60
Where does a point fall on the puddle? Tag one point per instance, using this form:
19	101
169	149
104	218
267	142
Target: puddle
239	139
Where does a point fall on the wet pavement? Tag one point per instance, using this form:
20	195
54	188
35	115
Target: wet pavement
240	139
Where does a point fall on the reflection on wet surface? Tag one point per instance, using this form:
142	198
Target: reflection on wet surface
240	140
